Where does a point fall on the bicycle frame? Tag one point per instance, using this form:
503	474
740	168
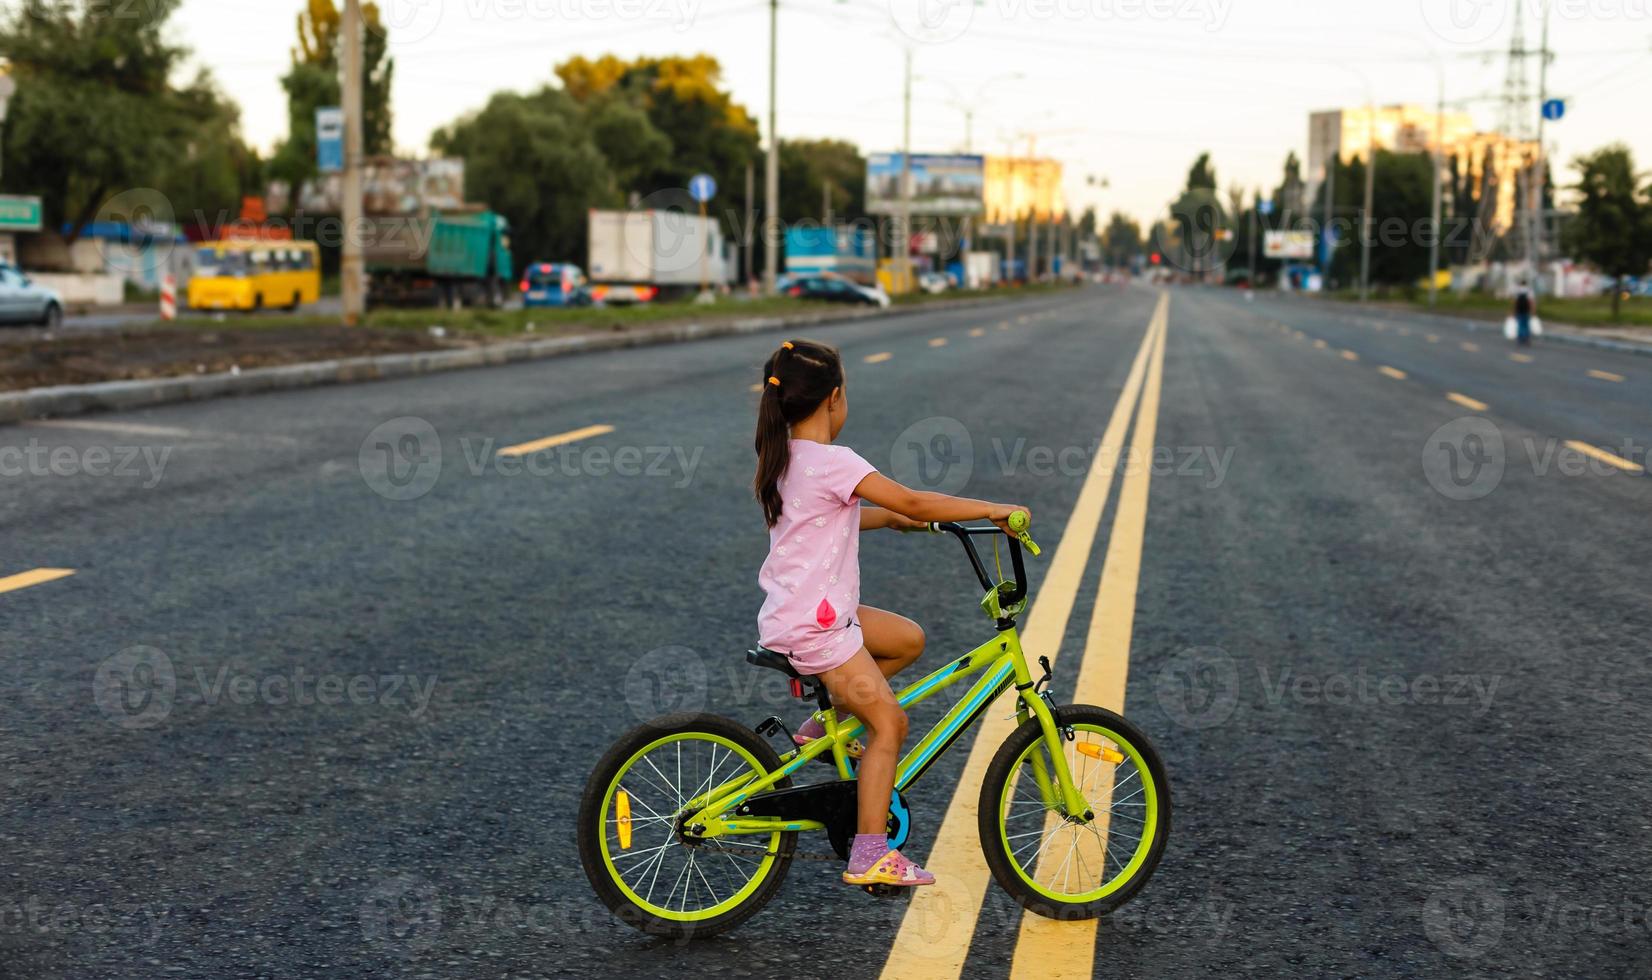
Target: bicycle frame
999	661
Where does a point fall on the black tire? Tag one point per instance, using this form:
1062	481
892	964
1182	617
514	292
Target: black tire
992	793
592	823
52	318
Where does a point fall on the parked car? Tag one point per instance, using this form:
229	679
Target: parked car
22	300
555	284
833	289
934	282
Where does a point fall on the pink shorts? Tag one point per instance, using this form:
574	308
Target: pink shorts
823	650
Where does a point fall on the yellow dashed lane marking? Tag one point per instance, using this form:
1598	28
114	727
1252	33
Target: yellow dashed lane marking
1521	358
1433	338
879	357
1473	404
559	439
1471	348
978	332
938	342
1349	355
1320	344
23	580
1393	372
1611	459
1605	376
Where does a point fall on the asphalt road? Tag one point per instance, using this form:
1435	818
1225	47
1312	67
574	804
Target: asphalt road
323	688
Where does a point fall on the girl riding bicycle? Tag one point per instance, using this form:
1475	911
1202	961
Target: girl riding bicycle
811	491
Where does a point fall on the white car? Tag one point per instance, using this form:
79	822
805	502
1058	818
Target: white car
934	282
22	300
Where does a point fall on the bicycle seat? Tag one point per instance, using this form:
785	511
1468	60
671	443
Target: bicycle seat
762	657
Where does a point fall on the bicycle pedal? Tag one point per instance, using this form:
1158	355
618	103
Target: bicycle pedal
882	891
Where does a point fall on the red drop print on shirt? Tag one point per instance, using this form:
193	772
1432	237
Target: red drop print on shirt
825	615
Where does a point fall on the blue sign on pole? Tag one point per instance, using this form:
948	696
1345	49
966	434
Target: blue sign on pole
329	139
1554	109
1264	207
702	188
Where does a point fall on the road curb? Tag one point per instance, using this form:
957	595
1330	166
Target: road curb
111	396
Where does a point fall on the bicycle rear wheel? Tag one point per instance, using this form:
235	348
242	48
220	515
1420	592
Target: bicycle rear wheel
1075	869
630	842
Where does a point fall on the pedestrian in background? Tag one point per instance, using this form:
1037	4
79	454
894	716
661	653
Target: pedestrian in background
1524	306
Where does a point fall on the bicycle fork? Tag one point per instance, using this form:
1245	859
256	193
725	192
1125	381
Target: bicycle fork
1060	792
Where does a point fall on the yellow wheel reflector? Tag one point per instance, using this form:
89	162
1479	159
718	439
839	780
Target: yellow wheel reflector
622	816
1100	752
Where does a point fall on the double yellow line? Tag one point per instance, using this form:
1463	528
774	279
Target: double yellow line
935	934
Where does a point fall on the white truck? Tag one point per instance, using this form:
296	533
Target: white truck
638	256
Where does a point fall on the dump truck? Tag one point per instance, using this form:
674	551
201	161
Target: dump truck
450	258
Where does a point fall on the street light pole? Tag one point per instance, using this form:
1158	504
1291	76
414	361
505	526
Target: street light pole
771	164
1365	217
352	271
1439	165
903	227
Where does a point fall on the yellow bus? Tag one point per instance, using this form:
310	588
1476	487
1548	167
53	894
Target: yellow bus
255	275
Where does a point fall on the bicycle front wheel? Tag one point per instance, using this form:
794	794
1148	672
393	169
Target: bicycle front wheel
1075	868
630	829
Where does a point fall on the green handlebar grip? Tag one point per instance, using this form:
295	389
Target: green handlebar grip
1018	524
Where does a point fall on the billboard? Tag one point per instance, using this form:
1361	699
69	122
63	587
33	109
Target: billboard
941	183
1288	244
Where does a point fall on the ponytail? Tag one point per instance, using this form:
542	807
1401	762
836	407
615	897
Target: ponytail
797	378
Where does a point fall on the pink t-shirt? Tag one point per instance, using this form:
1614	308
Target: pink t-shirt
812	574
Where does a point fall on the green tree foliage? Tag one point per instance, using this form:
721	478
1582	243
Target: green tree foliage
704	129
96	115
1122	241
811	168
313	82
1613	226
533	159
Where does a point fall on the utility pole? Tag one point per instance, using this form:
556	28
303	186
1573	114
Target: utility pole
1365	216
1439	165
903	227
1535	182
751	205
352	274
771	165
1327	238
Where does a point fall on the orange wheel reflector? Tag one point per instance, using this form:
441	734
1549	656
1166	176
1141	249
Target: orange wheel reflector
1095	751
622	816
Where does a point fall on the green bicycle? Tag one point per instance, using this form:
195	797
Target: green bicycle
689	823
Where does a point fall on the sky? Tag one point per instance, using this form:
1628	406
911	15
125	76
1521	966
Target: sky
1125	91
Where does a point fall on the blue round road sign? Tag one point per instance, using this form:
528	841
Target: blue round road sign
702	188
1554	109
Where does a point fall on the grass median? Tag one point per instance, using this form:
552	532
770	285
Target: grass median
1589	312
197	344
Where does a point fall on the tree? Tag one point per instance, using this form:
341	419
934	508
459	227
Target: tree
812	169
532	158
683	99
96	115
313	82
1122	241
1613	226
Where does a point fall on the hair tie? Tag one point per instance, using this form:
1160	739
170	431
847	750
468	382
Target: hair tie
774	381
786	344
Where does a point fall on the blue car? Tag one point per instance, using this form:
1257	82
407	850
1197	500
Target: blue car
554	284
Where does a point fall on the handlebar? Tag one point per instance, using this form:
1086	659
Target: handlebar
1018	527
